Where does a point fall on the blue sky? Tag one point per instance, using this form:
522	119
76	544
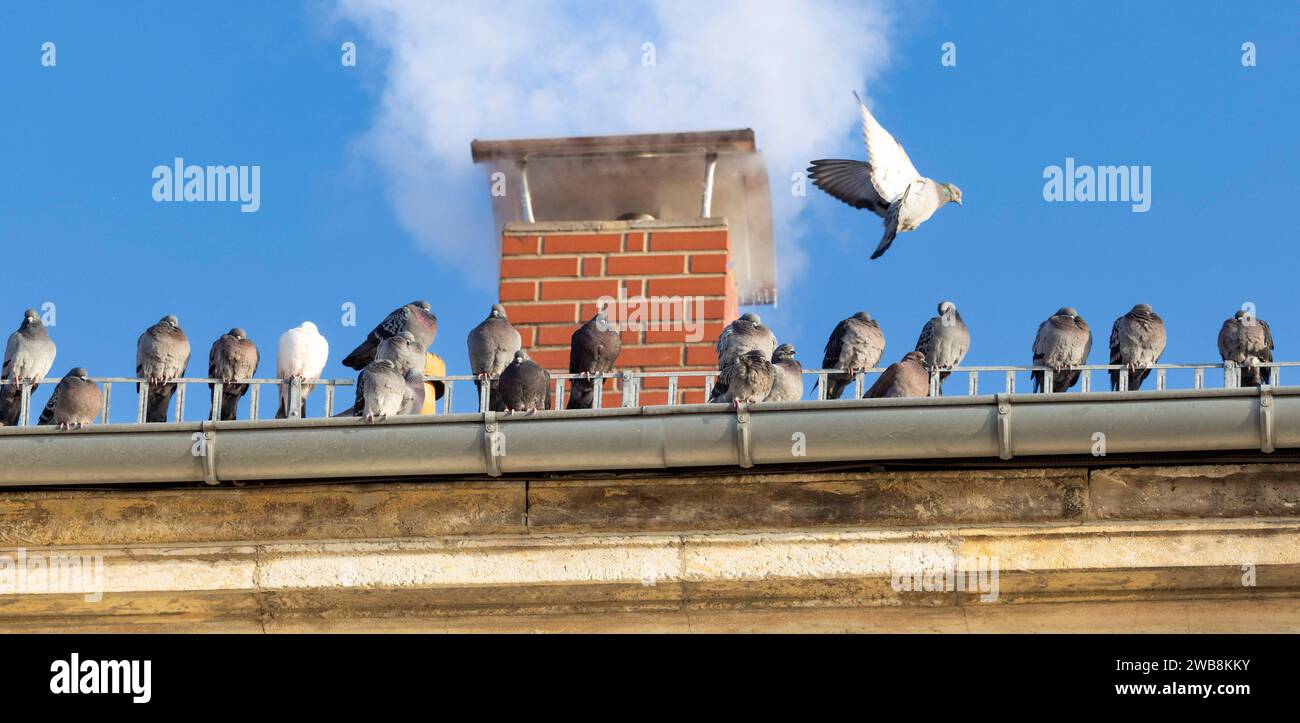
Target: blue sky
137	84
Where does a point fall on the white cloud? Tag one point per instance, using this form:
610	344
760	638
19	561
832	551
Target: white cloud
546	68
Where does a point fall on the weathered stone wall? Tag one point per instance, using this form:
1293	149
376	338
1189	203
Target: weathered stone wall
1213	548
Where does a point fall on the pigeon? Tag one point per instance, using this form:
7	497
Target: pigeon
788	384
385	391
1246	341
593	349
739	337
1137	340
303	352
525	386
856	344
405	354
944	340
492	345
748	379
415	392
29	354
76	402
162	353
889	186
233	356
1064	340
414	317
905	378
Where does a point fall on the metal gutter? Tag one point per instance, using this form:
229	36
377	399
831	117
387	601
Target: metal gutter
661	437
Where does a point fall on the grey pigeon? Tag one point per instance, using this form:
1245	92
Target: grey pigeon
1246	341
1064	340
162	353
414	317
415	392
492	345
944	340
525	386
889	186
748	379
738	338
856	344
905	378
1136	340
405	354
29	354
76	402
788	384
593	349
233	356
385	390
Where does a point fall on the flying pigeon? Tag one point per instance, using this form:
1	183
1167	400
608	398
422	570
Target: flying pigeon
76	402
1064	340
788	383
233	356
302	355
492	345
415	392
748	379
525	386
889	186
738	338
1246	341
593	349
414	317
385	391
944	340
29	354
905	378
856	344
1137	340
162	353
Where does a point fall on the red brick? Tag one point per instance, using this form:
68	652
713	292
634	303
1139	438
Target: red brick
525	336
708	263
706	332
591	266
662	382
640	356
553	359
524	268
580	290
594	242
518	291
688	240
702	286
653	399
702	354
516	245
639	265
555	335
692	396
635	241
542	312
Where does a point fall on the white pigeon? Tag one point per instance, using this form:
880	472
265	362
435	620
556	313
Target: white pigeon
889	186
303	352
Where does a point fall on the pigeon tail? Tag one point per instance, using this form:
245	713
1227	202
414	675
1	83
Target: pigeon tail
160	397
361	356
891	229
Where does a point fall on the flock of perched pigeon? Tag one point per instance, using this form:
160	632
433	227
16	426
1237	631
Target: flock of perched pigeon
752	367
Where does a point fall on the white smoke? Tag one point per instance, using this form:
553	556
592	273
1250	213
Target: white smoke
536	68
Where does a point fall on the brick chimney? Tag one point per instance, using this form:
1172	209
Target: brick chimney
673	230
670	283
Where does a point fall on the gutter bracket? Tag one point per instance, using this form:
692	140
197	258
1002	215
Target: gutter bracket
492	440
742	437
209	431
1004	426
1266	418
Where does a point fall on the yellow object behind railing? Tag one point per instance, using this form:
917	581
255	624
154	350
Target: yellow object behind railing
434	366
